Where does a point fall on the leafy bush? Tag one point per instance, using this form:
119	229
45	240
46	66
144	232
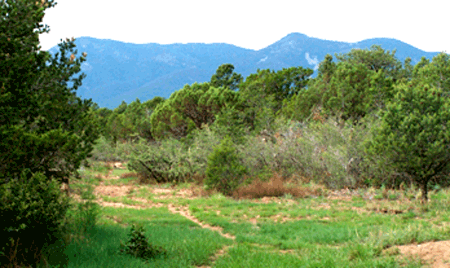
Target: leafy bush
138	245
32	212
224	171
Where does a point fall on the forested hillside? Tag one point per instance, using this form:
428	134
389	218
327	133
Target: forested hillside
118	71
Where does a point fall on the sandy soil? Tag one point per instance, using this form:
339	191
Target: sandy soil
436	254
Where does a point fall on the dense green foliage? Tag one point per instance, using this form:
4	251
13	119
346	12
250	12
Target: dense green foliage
44	126
225	77
224	171
32	212
46	132
358	84
190	108
414	133
128	121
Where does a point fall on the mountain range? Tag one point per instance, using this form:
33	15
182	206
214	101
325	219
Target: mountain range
118	71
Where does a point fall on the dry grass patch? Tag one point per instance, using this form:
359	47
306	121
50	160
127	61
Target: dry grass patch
129	175
273	188
112	164
99	177
113	191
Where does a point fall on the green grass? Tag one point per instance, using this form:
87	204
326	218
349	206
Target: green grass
246	255
187	243
287	232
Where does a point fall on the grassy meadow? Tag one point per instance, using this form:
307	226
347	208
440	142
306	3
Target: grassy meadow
198	228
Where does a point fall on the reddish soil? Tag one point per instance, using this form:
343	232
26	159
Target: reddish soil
436	254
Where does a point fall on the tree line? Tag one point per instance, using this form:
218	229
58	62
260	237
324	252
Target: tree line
408	102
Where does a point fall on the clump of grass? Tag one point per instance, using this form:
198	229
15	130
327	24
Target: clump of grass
275	187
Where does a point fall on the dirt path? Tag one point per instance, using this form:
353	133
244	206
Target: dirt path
437	254
184	211
123	190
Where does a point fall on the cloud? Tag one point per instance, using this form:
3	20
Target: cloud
314	61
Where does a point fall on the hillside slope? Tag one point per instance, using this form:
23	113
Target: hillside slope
118	71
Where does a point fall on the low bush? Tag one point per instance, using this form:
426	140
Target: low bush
32	214
106	150
224	172
275	187
173	160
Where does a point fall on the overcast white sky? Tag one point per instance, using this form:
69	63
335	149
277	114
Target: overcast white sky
248	23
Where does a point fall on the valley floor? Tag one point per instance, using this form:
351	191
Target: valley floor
362	228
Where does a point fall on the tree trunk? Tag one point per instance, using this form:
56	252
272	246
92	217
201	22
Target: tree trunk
65	186
425	191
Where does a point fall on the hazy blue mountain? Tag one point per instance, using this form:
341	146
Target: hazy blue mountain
119	71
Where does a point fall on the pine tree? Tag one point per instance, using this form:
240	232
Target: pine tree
414	133
44	126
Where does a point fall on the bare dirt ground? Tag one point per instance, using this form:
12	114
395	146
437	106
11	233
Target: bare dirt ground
435	254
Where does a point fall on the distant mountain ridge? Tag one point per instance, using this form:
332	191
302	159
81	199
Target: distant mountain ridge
118	71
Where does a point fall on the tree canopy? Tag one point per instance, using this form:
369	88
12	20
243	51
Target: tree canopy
44	125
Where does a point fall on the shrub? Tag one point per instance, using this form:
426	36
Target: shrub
105	150
320	151
32	211
163	161
138	245
224	171
174	160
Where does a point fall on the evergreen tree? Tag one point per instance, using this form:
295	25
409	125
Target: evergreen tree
414	134
224	170
225	77
44	126
360	83
46	132
189	108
